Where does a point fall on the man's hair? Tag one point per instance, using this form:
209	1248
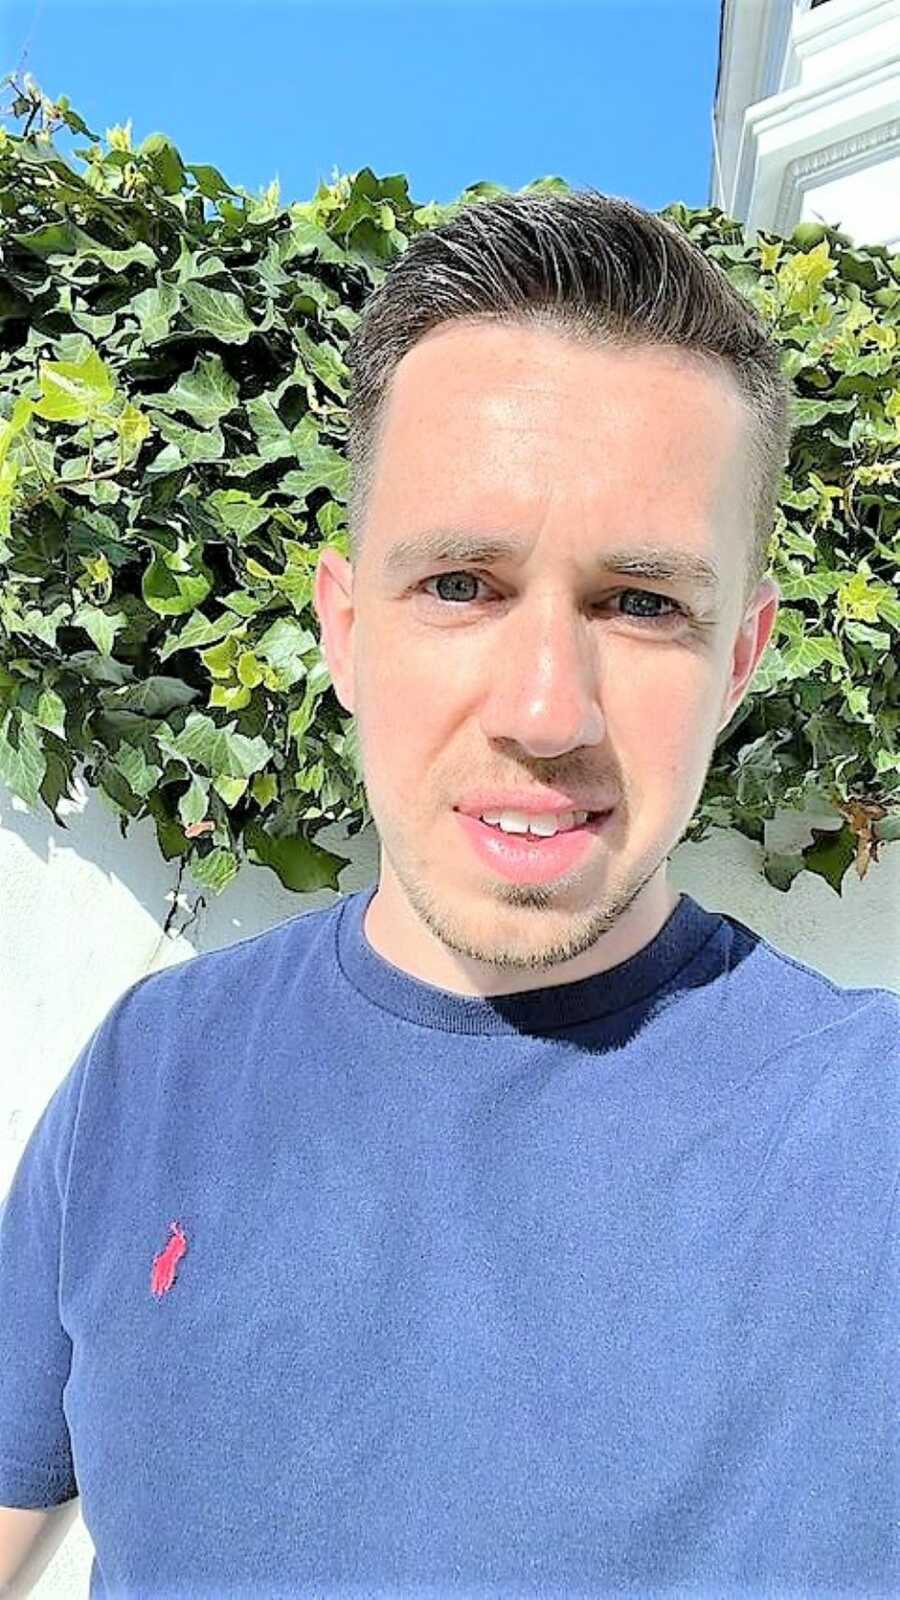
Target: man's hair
596	269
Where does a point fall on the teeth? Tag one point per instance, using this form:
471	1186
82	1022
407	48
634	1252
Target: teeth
545	825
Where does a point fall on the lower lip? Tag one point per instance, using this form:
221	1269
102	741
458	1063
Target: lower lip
523	858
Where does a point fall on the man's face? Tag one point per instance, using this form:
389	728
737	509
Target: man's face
549	667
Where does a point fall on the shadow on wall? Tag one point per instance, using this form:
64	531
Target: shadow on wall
50	859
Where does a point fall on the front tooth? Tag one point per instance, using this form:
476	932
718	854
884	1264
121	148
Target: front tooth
548	823
514	822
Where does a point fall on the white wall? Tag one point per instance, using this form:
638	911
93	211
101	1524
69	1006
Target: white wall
807	116
81	918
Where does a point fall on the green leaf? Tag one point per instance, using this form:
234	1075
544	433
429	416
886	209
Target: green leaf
193	803
173	592
809	585
273	439
74	391
186	446
133	427
100	626
171	585
199	631
22	760
858	598
15	425
323	467
155	309
154	696
50	712
59	240
164	162
218	749
264	789
214	871
206	394
239	511
217	312
44	625
283	645
861	633
300	864
210	182
781	869
305	238
808	413
325	362
96	327
230	789
141	775
831	855
772	669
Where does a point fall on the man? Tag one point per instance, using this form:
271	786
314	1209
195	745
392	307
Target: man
514	1226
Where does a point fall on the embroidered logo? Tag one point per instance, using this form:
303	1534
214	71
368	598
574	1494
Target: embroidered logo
163	1275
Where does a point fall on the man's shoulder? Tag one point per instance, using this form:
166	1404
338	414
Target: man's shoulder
783	991
234	972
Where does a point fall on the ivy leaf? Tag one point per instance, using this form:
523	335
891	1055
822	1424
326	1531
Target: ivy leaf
238	511
323	467
141	775
831	855
217	312
22	761
210	182
206	394
283	645
186	446
216	870
199	631
860	599
816	586
50	712
218	749
164	162
100	626
273	439
74	391
152	697
324	361
300	864
781	869
133	427
155	309
193	803
171	585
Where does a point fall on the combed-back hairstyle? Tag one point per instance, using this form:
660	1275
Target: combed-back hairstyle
598	270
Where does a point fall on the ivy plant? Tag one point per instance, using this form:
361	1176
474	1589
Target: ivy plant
172	463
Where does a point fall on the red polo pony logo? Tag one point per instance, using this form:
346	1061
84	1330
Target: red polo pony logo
163	1275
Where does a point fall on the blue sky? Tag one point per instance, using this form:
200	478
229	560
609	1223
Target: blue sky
611	93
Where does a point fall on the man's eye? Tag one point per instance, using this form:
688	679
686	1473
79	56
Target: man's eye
452	577
647	607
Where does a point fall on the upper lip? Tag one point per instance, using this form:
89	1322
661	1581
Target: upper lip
532	803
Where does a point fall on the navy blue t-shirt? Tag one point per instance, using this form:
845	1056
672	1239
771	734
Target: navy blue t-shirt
319	1280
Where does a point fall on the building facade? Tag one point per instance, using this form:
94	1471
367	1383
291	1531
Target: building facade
807	116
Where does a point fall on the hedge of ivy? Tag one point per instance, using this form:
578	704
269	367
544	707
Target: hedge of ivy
172	432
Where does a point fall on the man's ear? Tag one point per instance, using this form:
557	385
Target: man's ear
753	635
333	599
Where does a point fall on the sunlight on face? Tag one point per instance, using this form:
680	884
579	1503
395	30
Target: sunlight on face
558	661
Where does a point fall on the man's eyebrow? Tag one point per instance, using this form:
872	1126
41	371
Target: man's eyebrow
662	563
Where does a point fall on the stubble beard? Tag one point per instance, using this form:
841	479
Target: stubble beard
583	928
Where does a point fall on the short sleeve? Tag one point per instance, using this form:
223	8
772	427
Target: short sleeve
36	1468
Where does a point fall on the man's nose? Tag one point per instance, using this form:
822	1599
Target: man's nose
544	688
